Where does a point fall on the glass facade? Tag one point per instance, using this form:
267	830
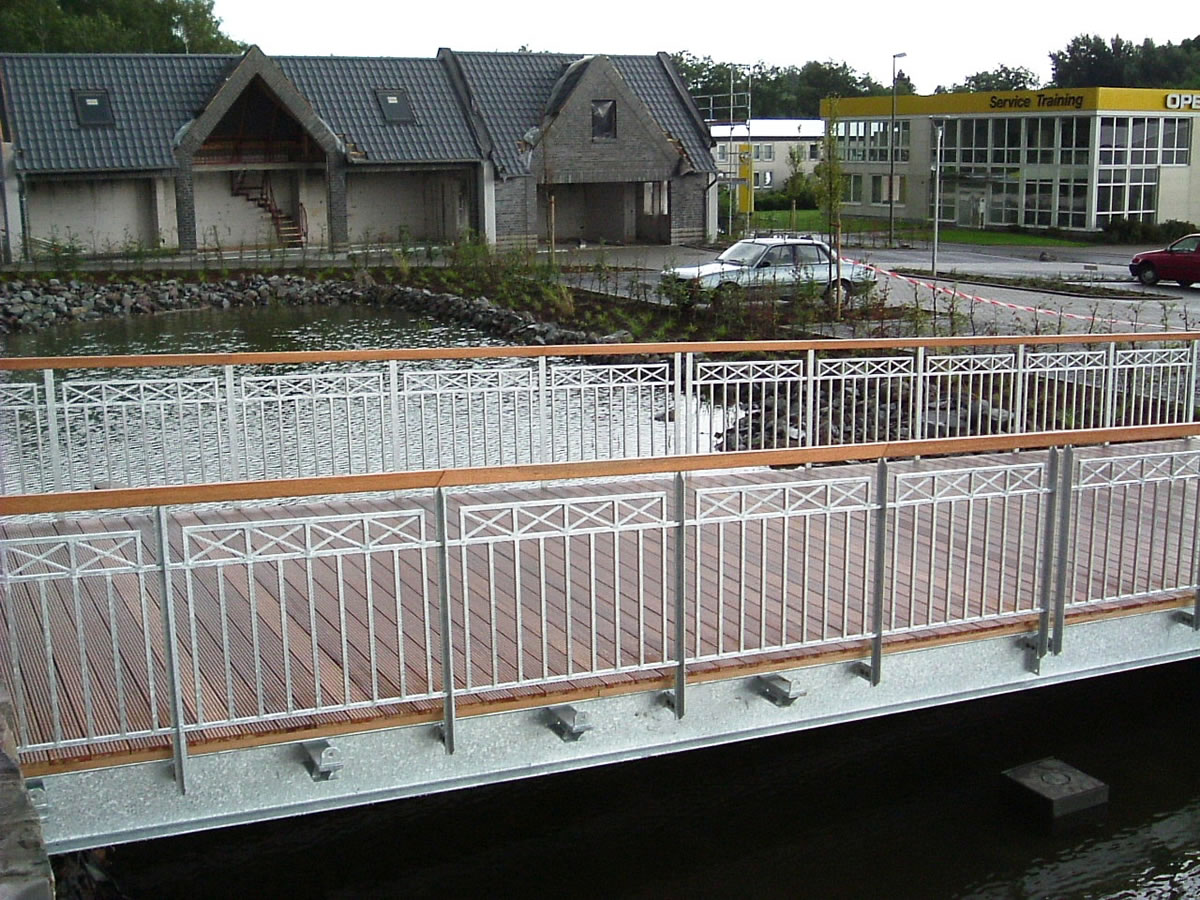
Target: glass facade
1054	169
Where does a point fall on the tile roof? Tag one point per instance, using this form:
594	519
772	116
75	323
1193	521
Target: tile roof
342	92
513	89
153	96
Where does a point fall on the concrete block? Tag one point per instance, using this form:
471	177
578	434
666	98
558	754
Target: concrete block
1056	789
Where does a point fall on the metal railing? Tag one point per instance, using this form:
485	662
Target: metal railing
237	417
175	622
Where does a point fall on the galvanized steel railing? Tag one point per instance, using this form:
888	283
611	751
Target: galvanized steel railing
226	418
177	622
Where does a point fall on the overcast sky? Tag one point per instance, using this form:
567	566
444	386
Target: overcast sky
945	42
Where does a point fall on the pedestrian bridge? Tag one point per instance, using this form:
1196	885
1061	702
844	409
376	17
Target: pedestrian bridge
241	587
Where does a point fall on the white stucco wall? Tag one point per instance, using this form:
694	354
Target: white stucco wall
100	216
230	221
382	207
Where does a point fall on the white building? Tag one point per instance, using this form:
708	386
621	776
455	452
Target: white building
771	141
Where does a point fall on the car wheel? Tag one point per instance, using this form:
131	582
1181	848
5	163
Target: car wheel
1185	284
847	290
1147	274
728	292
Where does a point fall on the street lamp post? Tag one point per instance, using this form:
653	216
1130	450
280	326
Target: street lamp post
892	159
937	198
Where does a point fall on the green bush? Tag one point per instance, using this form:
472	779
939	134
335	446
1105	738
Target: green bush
1126	231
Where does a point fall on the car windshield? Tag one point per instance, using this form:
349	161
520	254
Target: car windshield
743	253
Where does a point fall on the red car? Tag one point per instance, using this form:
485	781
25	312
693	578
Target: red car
1179	262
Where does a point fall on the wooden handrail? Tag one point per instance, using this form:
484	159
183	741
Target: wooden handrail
170	495
425	353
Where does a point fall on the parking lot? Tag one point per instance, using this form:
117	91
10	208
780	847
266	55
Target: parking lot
634	272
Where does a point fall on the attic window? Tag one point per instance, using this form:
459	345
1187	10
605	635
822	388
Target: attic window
604	120
395	106
92	108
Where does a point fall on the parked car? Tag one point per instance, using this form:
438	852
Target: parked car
1179	262
783	265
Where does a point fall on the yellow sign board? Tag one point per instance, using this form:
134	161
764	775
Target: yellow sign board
1051	101
745	188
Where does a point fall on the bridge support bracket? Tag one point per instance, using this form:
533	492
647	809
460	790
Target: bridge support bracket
36	788
779	690
322	759
567	722
667	699
1184	617
1031	644
865	671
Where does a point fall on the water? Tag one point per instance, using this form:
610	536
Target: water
907	806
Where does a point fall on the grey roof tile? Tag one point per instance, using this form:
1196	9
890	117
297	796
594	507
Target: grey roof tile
342	92
513	89
152	97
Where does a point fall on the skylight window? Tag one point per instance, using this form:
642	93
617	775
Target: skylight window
395	106
92	108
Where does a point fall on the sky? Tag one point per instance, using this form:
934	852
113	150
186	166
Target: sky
944	42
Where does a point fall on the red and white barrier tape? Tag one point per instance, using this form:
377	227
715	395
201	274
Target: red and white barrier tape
1014	306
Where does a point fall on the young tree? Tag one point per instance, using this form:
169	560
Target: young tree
829	184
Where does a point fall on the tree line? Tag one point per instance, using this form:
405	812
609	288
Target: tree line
112	26
795	92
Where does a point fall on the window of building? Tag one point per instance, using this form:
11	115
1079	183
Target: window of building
1039	141
1006	141
852	188
1127	194
814	150
92	108
1143	138
852	140
879	184
1075	139
758	179
394	105
1072	203
1114	140
973	147
1005	206
1039	202
1176	141
604	120
721	154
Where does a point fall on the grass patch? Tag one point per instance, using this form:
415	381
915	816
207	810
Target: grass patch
812	221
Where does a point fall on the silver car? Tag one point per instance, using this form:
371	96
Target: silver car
780	265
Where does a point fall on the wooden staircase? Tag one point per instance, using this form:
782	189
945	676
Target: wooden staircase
255	187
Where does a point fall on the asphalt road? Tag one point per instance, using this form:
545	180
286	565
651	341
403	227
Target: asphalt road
976	308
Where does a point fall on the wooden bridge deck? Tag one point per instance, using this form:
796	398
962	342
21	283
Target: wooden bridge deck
366	626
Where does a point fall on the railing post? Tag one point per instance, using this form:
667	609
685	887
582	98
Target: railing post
394	413
1019	401
1065	481
56	469
179	747
1110	386
1191	386
237	464
872	671
676	697
810	400
1041	644
678	405
545	445
917	432
446	620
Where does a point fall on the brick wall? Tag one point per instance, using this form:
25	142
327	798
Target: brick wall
516	213
688	208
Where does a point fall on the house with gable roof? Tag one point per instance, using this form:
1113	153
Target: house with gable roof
113	152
